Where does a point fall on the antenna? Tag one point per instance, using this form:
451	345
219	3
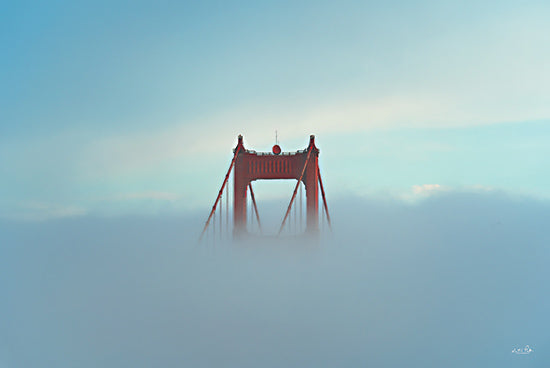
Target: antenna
276	149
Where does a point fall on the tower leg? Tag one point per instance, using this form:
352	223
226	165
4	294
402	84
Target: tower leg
311	181
239	203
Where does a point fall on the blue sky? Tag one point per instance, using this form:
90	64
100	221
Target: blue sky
133	107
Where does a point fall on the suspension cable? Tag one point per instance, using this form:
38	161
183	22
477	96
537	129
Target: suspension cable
301	211
220	192
227	210
255	207
296	189
324	198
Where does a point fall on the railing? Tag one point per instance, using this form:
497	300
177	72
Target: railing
252	152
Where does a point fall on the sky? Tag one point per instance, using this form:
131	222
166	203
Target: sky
114	108
117	124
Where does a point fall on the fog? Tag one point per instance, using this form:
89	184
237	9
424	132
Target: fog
456	280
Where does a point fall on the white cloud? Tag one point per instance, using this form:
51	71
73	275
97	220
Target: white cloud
420	192
121	154
426	189
43	211
152	195
212	136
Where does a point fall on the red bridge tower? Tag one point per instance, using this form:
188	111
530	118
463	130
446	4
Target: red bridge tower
251	165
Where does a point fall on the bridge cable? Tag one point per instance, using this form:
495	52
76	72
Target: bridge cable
227	210
220	192
324	198
255	206
301	211
295	189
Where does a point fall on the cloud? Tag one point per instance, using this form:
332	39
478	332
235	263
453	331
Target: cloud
396	285
416	194
426	189
142	151
191	138
43	211
154	195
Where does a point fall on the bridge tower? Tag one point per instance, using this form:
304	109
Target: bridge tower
249	166
299	165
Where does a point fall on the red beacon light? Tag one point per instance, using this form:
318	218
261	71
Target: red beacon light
276	149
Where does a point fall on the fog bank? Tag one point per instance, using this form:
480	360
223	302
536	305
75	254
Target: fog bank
458	280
